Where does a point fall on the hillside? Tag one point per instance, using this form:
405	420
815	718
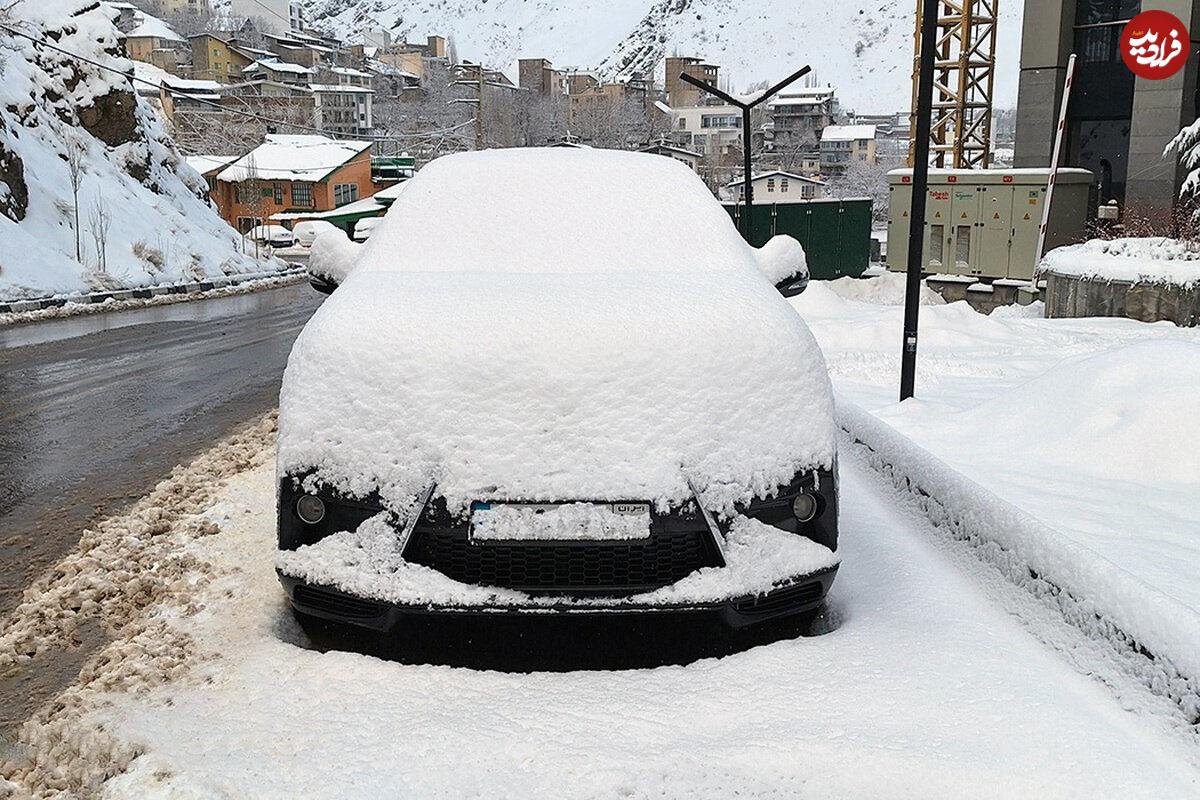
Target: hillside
864	47
142	214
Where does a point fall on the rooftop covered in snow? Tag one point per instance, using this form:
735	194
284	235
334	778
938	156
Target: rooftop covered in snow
847	133
294	158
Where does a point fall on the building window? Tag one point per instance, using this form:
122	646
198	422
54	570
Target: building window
683	123
806	191
302	195
278	191
770	184
783	184
344	193
720	121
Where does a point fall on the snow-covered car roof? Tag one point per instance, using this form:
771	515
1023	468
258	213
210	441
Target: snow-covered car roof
556	325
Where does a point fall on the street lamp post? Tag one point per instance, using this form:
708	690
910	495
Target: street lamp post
920	188
746	107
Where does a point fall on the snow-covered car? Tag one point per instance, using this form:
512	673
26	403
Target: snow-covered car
306	231
590	400
330	260
365	227
273	235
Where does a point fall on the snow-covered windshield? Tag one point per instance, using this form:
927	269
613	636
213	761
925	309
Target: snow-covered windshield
555	210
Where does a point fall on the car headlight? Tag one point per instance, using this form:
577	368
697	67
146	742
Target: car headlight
310	509
805	507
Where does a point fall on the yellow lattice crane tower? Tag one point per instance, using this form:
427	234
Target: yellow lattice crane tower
964	63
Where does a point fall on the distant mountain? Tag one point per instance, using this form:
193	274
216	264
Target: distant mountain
862	48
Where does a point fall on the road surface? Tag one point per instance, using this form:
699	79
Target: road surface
88	424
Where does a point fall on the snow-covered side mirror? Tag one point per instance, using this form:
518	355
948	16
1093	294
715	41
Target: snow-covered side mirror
330	260
783	263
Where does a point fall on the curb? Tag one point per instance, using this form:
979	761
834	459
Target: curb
143	293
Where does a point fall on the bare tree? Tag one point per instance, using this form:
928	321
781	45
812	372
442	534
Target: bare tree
75	175
250	194
99	222
864	179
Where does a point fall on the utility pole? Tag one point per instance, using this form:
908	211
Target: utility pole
476	83
747	141
922	121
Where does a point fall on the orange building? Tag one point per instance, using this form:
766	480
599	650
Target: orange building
292	174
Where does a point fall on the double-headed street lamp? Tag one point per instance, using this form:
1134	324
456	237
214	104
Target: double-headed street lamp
746	107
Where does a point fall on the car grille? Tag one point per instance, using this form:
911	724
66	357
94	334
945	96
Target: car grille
606	568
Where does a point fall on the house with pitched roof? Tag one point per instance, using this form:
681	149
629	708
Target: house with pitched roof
292	173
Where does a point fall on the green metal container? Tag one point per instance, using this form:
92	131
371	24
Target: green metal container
835	234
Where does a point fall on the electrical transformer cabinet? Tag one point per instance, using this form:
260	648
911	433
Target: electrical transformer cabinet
984	223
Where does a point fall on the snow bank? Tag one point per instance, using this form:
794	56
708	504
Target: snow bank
881	290
1093	592
161	227
627	345
1153	259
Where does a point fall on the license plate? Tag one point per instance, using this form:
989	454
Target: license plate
516	522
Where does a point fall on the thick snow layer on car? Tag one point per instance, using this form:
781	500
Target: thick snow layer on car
332	255
366	562
616	363
569	521
556	210
1153	259
780	258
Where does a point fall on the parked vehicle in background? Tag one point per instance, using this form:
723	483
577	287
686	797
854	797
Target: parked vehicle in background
365	227
309	229
271	235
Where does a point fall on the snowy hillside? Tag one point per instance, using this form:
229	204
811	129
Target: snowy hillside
864	47
142	214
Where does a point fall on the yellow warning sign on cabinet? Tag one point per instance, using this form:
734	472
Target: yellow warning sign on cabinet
1026	216
905	214
938	215
996	216
964	215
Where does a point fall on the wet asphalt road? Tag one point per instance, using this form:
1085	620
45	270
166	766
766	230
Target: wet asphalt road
88	424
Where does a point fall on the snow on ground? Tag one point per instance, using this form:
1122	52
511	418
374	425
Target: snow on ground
924	689
1090	425
1152	259
143	215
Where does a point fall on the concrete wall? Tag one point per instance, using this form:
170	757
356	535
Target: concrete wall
1046	42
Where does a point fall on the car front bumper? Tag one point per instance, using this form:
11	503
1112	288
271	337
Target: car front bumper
800	594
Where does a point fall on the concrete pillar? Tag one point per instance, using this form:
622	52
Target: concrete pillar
1046	41
1160	109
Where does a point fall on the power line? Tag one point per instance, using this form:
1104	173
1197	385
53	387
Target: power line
236	111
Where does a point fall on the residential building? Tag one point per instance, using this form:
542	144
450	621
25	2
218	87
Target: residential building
689	157
148	39
269	16
842	145
1117	125
292	174
711	130
208	166
539	75
343	108
776	186
682	93
600	101
277	71
799	115
216	59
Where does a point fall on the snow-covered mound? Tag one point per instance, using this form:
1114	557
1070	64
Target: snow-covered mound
1130	413
332	255
781	257
143	214
1153	259
601	333
863	47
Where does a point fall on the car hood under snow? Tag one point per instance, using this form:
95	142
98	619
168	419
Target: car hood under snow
555	387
